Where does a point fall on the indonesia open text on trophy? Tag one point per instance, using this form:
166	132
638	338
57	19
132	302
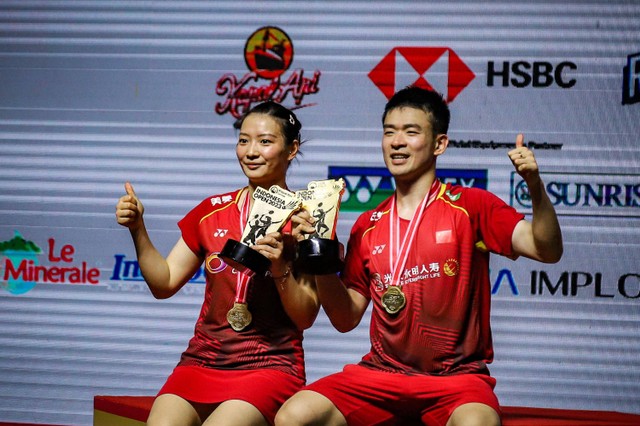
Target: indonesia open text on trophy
270	212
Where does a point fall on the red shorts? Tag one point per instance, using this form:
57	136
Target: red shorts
266	389
368	397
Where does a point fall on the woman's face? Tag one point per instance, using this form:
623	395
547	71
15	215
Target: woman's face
262	151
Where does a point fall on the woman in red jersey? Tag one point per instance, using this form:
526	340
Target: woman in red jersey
233	374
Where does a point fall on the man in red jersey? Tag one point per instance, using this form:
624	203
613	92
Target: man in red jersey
422	257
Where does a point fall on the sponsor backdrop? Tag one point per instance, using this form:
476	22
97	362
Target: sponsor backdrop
96	93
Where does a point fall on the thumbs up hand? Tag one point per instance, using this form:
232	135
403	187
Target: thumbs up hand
523	160
129	209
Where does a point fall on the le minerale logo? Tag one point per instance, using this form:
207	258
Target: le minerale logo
18	251
20	268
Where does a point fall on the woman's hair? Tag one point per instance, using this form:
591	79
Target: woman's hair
429	101
289	123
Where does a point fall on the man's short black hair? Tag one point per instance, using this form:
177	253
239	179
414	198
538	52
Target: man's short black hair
426	100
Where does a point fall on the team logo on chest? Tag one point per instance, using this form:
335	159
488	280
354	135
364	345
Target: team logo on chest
375	216
451	267
376	282
214	264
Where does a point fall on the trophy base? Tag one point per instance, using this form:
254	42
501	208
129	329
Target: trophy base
319	256
243	258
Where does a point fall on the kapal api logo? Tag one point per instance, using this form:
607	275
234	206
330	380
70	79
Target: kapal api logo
268	54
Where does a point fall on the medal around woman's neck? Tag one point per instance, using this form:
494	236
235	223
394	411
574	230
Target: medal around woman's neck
319	253
239	316
270	212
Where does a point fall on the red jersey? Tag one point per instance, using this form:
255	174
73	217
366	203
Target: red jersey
271	340
444	327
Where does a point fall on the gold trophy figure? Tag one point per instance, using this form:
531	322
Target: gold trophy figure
320	253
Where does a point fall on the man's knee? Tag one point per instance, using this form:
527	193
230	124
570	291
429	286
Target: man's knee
307	408
474	414
294	412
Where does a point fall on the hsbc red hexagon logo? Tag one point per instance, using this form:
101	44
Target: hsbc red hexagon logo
434	68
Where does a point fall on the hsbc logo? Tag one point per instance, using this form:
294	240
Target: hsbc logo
537	74
434	68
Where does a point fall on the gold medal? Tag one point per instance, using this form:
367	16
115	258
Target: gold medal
239	316
393	300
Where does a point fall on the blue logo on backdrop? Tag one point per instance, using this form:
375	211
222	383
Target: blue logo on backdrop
366	187
568	284
582	194
128	270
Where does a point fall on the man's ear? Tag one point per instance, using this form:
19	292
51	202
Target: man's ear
442	142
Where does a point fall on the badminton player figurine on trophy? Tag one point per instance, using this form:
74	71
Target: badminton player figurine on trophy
270	212
320	253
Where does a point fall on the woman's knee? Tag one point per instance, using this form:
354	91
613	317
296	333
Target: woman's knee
170	410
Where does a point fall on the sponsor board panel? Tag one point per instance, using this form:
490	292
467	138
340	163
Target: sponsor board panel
584	194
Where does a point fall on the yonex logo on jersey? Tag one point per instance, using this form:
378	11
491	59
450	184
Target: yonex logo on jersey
378	249
220	232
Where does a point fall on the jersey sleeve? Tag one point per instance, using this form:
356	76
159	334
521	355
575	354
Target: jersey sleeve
355	275
495	222
189	226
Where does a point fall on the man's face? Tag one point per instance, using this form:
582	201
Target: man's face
408	145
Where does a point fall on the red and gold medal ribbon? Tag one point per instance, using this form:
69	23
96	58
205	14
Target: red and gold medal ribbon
399	253
243	278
